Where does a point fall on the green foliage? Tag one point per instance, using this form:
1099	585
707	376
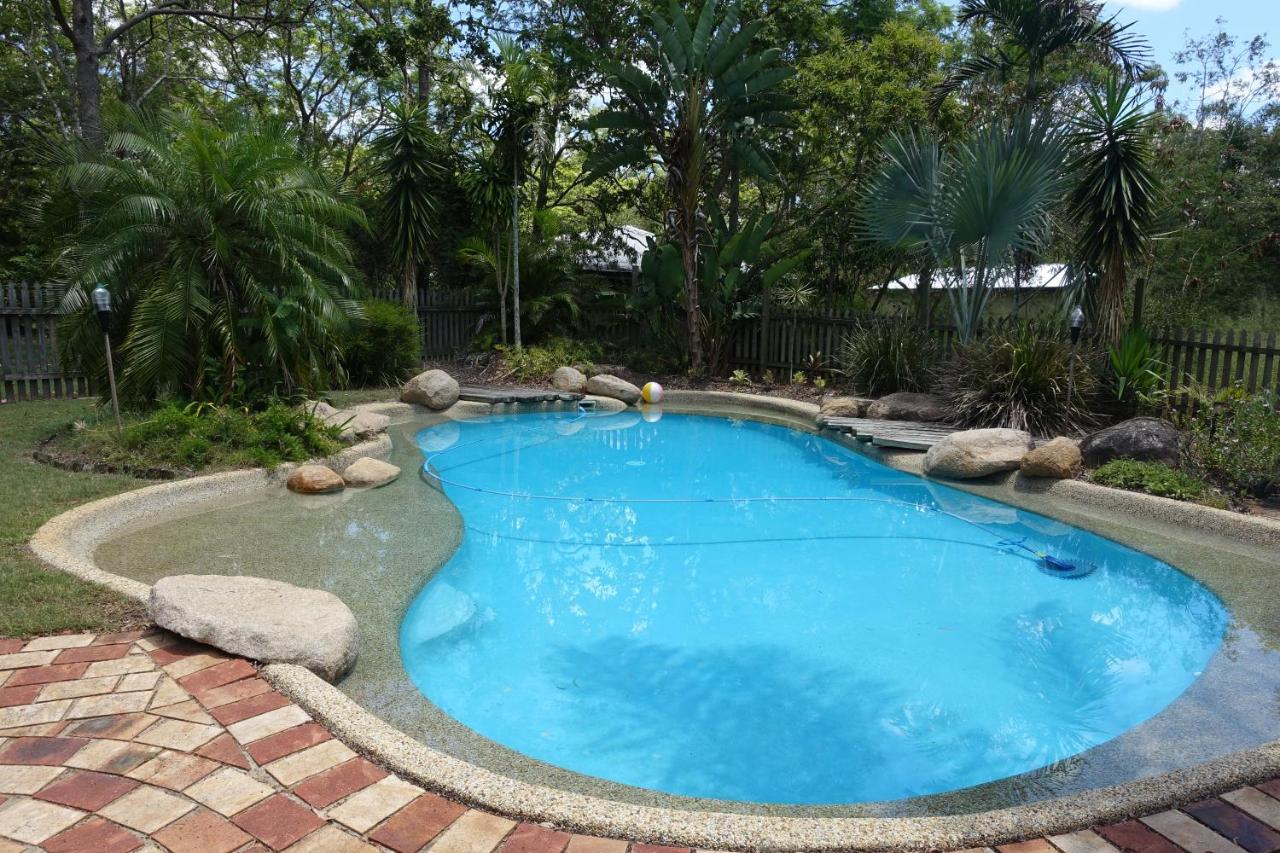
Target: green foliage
537	363
383	346
1136	369
1154	478
223	253
408	152
212	437
970	210
1116	197
880	358
1020	377
740	377
1236	443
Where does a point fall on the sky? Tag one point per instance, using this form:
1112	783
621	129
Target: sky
1165	24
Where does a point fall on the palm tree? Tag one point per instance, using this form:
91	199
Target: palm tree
703	96
519	104
484	182
1116	198
224	253
1031	32
408	153
971	209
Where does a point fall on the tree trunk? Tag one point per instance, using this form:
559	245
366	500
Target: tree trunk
693	315
88	85
924	282
409	284
515	253
1108	302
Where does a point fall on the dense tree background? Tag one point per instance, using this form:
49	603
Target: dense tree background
332	72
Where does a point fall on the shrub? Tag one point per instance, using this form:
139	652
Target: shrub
880	358
384	347
1154	478
1020	377
207	436
1236	443
537	363
1137	373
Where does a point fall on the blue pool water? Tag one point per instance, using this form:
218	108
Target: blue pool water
728	609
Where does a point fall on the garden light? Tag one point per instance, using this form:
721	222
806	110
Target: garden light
102	304
1077	323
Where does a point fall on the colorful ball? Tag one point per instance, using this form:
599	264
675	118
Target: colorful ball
652	392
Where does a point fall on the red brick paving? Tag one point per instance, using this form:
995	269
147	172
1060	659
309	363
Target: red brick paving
122	637
417	823
96	834
337	783
218	675
531	838
288	742
8	647
47	674
225	749
246	708
278	821
202	831
88	654
49	751
86	790
232	691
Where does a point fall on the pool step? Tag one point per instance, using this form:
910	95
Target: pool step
907	435
499	396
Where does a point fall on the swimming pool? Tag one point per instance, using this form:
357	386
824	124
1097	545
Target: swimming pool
722	608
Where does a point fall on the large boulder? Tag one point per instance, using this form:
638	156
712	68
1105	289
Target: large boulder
909	406
369	473
260	619
356	424
314	480
844	407
569	379
977	453
1058	459
606	385
434	389
1144	439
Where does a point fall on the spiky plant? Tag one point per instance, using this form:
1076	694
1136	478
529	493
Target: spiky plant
1116	198
224	253
408	154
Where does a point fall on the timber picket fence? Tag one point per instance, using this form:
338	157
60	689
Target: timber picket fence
450	322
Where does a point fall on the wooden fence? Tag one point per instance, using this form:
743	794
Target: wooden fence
450	322
29	365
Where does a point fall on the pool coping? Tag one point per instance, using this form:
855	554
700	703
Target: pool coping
67	542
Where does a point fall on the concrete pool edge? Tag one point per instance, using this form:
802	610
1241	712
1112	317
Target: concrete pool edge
68	542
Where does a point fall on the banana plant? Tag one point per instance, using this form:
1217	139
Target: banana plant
700	103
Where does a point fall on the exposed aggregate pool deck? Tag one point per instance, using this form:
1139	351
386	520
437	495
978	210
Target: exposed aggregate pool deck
1166	529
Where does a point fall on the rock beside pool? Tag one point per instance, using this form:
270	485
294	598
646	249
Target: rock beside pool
909	406
369	473
260	619
607	385
314	480
569	379
977	453
1059	459
434	389
844	407
356	424
1144	439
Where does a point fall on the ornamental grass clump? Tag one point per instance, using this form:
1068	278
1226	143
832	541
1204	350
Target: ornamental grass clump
881	358
1021	377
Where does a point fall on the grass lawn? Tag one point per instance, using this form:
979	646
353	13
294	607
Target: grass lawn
34	600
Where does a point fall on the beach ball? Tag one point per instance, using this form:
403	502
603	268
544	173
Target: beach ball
651	392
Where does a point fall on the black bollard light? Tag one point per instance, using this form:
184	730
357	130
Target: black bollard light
1077	323
102	304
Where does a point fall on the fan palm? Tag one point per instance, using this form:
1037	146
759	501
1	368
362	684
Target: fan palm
408	153
224	253
1116	197
1031	32
970	209
702	97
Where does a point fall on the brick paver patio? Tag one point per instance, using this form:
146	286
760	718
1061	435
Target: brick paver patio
115	743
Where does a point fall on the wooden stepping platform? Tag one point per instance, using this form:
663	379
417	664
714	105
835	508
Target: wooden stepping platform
909	435
498	396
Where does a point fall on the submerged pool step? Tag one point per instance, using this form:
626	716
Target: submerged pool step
498	396
909	435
